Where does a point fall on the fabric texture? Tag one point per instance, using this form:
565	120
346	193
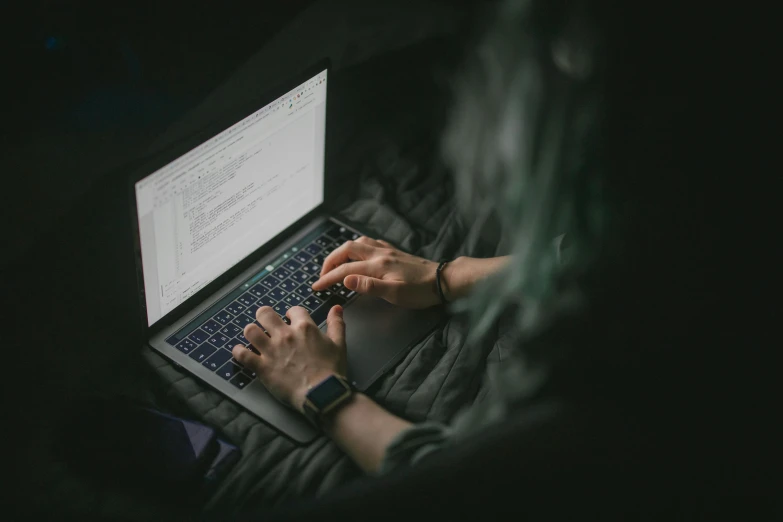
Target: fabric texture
404	196
439	376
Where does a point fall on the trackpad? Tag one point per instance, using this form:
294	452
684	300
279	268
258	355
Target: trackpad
378	334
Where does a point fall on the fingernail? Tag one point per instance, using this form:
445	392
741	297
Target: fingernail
350	282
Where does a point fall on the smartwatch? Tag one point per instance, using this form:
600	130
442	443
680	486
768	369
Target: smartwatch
327	397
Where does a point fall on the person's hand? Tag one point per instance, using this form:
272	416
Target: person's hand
293	358
375	267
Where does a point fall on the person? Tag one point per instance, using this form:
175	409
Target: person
294	358
550	132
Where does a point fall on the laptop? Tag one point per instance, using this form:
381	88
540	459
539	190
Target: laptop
234	219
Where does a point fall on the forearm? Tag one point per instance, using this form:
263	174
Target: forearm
363	429
460	275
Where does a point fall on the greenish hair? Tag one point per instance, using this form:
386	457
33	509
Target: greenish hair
524	142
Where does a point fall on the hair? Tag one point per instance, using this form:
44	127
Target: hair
552	131
524	141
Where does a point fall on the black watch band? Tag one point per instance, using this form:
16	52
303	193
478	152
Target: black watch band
438	284
326	397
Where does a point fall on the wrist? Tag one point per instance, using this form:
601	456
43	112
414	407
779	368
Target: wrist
331	421
454	278
311	381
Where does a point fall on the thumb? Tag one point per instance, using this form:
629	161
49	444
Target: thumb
335	325
370	286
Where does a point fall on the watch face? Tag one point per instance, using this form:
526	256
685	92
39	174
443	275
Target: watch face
327	392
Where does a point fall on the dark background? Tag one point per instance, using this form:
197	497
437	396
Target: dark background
92	84
90	90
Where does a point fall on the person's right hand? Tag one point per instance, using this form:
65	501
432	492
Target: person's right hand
375	267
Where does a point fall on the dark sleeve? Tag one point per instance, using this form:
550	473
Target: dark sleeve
414	444
421	440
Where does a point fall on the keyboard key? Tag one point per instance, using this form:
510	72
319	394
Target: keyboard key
318	260
270	281
267	301
335	288
223	317
319	315
252	309
346	293
293	299
281	273
278	294
286	320
247	299
311	303
338	299
305	290
313	249
235	308
229	345
218	340
292	265
241	339
281	308
311	269
322	242
217	360
335	231
229	370
241	380
323	295
186	346
302	257
328	250
230	330
198	336
287	285
242	320
312	280
211	326
258	290
342	234
300	276
203	352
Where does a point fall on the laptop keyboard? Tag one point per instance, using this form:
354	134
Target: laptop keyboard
284	286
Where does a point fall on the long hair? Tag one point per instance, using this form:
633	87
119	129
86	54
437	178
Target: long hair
568	125
525	143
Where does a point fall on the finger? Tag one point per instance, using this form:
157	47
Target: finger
269	319
247	358
339	273
255	335
350	250
298	314
368	241
386	243
372	286
335	325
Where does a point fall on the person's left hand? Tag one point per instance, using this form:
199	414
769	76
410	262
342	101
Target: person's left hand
293	358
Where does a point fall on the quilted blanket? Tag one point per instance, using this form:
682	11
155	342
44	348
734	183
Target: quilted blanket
406	198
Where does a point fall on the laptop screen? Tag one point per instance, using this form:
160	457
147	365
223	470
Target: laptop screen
207	210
